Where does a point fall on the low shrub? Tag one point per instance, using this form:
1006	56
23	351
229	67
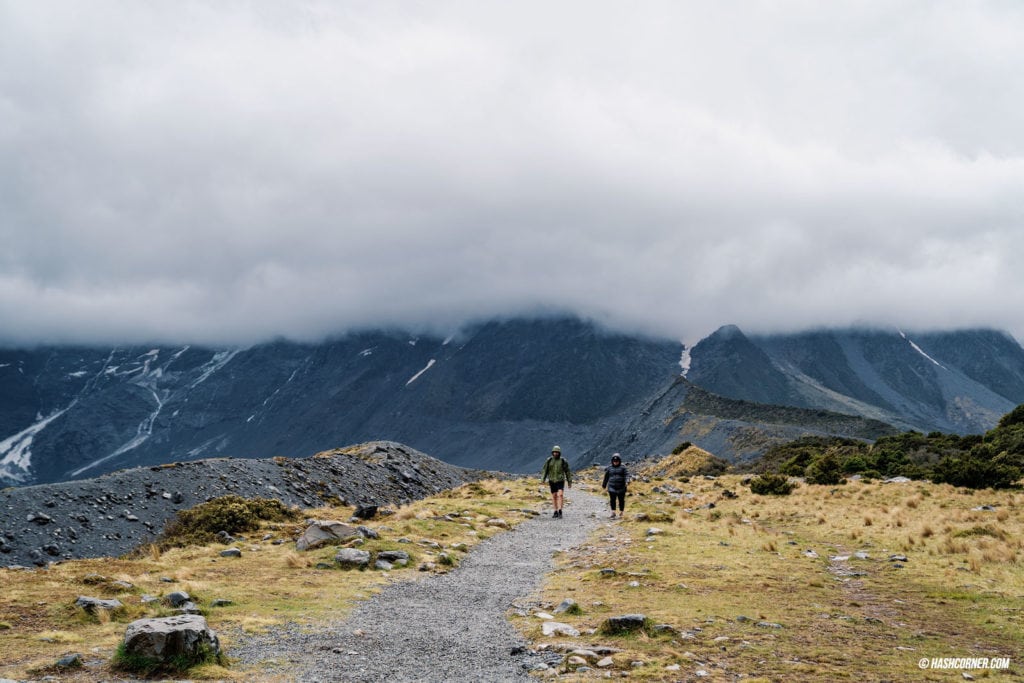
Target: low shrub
769	484
233	514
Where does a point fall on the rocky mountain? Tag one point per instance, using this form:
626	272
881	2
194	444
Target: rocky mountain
495	396
960	381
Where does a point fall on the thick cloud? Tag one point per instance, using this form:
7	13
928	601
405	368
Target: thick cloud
231	171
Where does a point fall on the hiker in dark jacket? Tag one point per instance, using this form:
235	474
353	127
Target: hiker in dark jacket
615	479
556	472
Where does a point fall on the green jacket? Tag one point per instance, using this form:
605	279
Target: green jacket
556	470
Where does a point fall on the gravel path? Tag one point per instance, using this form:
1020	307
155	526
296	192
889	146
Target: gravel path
448	627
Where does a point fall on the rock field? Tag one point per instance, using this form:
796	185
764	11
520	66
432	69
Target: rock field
112	514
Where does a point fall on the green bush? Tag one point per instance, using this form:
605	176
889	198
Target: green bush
769	484
233	514
826	471
681	447
976	473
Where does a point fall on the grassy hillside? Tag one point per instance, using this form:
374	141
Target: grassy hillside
773	589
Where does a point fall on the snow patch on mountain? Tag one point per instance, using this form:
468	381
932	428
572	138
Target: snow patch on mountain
417	375
921	351
219	360
16	452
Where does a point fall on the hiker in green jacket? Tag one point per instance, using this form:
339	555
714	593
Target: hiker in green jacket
558	475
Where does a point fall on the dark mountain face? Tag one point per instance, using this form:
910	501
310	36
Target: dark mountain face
498	396
956	382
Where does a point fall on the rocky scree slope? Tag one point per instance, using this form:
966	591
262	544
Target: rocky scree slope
112	514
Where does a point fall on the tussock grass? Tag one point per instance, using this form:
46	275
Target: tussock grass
269	585
747	560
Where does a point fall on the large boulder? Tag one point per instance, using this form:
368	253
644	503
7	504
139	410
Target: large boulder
183	638
321	533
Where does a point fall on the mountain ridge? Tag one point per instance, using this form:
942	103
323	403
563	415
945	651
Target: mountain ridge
494	396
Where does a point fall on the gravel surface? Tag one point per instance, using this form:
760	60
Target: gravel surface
447	627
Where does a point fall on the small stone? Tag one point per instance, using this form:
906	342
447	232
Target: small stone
565	606
608	571
177	598
768	624
72	661
221	602
551	628
231	552
605	663
383	565
92	605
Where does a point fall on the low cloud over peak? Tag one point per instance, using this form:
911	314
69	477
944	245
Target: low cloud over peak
233	172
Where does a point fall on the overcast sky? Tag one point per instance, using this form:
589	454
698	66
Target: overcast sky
226	172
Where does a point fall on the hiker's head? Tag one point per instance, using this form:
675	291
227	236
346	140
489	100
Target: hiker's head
556	451
616	460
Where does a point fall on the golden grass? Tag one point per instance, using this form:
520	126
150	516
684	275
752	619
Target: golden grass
270	584
717	572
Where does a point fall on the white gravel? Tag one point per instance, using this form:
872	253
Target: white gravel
448	627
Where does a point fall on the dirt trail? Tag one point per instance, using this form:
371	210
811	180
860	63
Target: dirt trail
448	627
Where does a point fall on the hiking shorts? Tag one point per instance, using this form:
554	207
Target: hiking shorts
556	485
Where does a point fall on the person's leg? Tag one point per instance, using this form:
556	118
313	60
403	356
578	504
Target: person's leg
611	500
622	502
554	499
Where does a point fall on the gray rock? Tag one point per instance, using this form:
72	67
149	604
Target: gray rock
320	533
349	558
553	628
186	636
93	605
177	598
231	552
393	556
365	512
221	602
72	661
565	606
383	565
367	532
188	607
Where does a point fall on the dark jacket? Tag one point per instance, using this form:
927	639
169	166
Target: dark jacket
615	478
556	469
